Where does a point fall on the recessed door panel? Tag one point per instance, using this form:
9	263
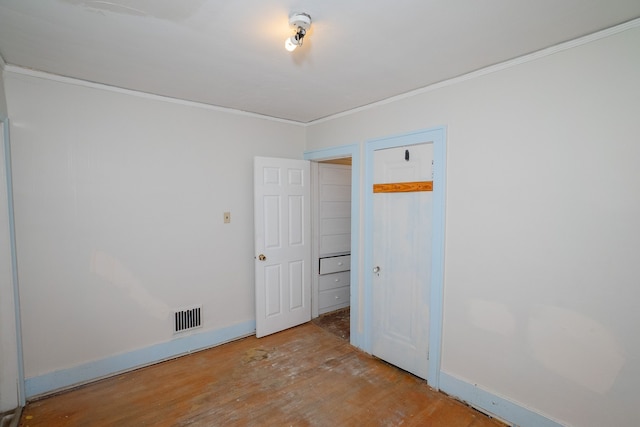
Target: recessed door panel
273	290
296	285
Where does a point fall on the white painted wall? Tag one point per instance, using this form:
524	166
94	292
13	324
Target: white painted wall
119	204
8	343
542	277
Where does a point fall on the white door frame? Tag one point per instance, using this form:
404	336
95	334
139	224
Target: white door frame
437	137
353	151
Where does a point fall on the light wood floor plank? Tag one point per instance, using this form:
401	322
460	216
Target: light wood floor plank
304	376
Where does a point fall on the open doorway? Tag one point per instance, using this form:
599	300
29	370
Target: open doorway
331	244
345	155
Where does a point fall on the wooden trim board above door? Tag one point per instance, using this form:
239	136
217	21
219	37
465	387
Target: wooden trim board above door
403	187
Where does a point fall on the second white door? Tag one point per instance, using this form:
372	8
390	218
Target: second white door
402	223
282	244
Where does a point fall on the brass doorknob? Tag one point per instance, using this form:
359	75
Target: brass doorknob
261	257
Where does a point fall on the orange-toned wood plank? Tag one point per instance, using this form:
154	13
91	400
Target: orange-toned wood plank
304	376
403	187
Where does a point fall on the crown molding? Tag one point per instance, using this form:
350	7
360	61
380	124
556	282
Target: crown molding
634	23
100	86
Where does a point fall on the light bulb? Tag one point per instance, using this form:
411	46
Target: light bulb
290	44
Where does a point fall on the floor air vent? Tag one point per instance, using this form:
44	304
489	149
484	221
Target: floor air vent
187	319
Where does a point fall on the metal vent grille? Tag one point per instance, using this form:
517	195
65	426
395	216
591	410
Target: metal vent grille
184	320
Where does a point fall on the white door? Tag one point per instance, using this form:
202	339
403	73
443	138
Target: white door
282	244
402	223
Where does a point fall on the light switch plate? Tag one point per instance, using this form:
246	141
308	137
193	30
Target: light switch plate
227	217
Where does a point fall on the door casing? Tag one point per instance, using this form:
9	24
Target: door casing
5	145
438	137
353	151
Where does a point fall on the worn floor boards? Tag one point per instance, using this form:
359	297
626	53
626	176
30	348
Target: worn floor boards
304	376
337	322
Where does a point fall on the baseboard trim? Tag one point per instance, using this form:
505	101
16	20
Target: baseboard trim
91	371
491	404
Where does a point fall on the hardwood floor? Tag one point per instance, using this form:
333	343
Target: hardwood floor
304	376
336	322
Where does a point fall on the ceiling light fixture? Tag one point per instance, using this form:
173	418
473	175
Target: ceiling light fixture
301	23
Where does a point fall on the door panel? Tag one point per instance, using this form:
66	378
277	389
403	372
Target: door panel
282	244
296	285
402	257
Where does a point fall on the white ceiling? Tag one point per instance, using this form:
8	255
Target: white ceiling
231	53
